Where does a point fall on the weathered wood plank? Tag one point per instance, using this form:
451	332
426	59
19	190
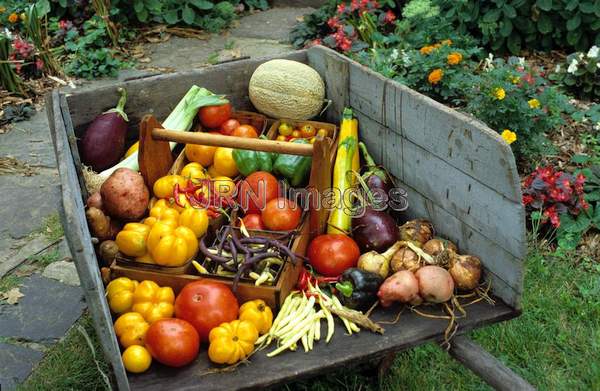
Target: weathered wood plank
502	268
460	140
393	107
80	244
486	366
496	217
158	95
333	68
411	331
372	133
367	92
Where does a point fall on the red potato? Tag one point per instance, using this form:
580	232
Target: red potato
435	284
401	286
125	195
95	201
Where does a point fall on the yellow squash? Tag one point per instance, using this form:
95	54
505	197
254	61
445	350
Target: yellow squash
231	342
153	302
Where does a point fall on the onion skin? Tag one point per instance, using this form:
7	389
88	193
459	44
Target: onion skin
435	284
420	231
401	286
405	259
435	246
374	230
465	271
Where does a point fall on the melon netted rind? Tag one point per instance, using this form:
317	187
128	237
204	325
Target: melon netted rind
287	89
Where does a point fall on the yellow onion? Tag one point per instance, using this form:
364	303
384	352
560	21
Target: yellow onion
435	246
419	231
405	259
465	271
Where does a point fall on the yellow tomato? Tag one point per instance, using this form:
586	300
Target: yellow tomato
281	138
212	172
258	313
162	211
190	239
136	359
171	246
153	302
296	134
193	171
223	185
200	154
195	219
134	148
231	342
159	230
224	162
131	240
120	294
285	129
322	132
163	187
146	258
131	329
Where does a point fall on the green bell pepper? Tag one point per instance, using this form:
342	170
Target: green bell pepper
252	161
294	168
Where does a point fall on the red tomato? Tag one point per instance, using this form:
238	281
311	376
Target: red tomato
331	254
256	190
308	131
245	131
206	305
253	221
173	342
229	126
281	214
213	117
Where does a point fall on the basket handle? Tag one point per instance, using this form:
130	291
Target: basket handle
219	140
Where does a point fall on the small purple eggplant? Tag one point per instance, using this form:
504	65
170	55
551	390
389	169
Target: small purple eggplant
103	143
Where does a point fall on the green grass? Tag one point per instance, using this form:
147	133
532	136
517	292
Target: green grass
52	228
45	257
70	364
8	282
555	344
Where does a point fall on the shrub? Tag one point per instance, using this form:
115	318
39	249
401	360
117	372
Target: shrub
535	24
580	74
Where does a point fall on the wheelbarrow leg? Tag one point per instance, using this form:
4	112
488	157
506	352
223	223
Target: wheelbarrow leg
384	365
486	366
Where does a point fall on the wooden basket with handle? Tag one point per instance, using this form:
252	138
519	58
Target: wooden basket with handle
156	161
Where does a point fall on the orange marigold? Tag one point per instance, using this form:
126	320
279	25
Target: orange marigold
426	50
435	76
446	42
454	58
12	18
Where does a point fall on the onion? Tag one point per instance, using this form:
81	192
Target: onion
419	231
466	271
405	259
376	262
435	246
402	286
435	284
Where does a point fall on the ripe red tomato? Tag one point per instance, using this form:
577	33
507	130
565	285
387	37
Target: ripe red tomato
331	254
245	131
253	221
213	117
206	304
281	214
229	126
256	190
173	342
308	131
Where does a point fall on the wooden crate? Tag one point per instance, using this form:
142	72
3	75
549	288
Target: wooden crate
458	173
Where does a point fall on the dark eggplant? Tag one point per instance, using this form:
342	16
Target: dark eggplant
103	143
374	230
357	289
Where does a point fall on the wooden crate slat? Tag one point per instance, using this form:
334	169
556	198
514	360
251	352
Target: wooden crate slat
333	67
80	243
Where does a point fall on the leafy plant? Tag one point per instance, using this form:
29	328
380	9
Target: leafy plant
536	24
581	74
314	25
8	76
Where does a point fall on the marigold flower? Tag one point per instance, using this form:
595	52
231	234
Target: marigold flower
435	76
12	18
499	93
446	42
426	49
515	79
509	136
533	103
454	58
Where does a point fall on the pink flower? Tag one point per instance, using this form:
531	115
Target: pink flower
346	44
341	8
333	22
389	17
39	64
354	5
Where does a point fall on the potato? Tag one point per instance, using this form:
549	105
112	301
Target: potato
99	223
401	286
95	200
125	195
108	251
435	284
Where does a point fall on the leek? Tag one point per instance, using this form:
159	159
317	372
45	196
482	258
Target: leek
180	119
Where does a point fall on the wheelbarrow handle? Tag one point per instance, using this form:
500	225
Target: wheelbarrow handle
219	140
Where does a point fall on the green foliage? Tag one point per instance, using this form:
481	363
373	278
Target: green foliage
580	74
535	24
88	53
314	24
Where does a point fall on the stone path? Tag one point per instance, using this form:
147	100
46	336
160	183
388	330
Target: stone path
33	257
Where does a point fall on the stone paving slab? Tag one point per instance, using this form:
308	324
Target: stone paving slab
16	362
274	24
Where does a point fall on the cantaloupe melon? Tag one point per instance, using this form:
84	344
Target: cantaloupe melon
287	89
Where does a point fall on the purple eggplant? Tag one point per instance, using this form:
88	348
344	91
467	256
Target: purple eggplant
374	230
103	143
